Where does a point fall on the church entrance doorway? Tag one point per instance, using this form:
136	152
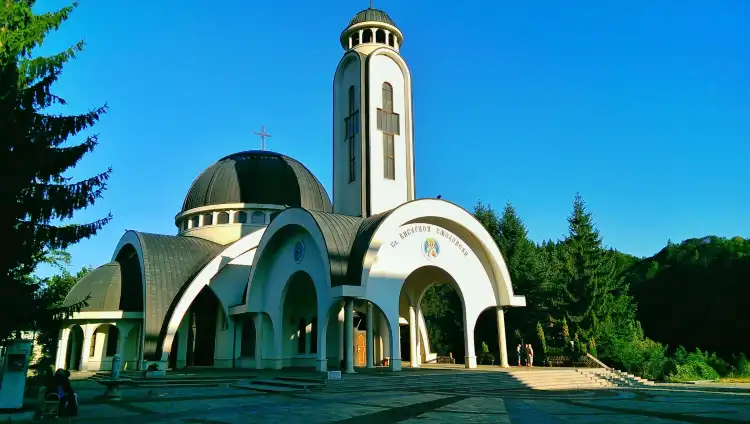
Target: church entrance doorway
360	349
74	350
202	335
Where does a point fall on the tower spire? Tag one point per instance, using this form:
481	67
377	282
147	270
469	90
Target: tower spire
370	4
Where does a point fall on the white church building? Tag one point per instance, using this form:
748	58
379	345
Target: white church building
266	272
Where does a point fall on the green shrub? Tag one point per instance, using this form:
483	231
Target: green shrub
692	366
742	366
722	367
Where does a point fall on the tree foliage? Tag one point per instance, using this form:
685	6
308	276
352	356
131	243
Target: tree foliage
35	154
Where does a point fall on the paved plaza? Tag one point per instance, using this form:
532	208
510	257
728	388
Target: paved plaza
387	400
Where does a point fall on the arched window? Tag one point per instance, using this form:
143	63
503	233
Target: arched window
258	217
240	217
223	218
196	221
367	36
352	128
314	335
355	39
208	219
301	337
390	39
380	36
247	348
388	123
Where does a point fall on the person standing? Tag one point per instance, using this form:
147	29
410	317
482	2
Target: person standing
519	353
530	355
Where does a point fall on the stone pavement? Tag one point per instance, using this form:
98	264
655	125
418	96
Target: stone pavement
433	403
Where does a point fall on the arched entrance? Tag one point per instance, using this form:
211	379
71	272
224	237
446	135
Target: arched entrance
299	323
201	338
74	350
435	288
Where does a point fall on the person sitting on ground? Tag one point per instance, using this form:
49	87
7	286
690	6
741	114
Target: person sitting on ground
68	397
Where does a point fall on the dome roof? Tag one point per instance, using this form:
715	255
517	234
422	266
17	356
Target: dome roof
258	177
103	290
371	15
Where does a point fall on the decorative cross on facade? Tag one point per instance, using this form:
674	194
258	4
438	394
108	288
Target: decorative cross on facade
263	135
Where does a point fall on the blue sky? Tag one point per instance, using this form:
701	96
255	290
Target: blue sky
642	106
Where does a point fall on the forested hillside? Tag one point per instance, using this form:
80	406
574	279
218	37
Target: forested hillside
632	313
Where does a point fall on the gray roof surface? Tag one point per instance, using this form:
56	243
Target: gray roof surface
347	240
371	15
170	263
258	177
105	291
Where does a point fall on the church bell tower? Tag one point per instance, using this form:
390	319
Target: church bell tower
373	136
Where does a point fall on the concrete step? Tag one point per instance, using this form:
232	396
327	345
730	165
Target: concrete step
265	388
288	383
301	379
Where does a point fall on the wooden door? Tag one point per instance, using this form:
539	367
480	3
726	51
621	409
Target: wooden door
360	349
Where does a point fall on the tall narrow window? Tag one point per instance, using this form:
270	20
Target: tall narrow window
388	123
352	128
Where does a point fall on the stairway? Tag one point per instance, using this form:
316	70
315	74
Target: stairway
176	380
512	379
281	384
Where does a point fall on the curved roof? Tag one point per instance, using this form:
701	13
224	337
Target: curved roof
371	15
347	239
258	177
170	263
103	290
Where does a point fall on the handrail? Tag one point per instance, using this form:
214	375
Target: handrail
598	362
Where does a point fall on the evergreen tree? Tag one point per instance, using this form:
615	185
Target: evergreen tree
37	196
592	288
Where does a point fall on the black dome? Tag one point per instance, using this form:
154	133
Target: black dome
258	177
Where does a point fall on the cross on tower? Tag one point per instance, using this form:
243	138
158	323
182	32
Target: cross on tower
263	135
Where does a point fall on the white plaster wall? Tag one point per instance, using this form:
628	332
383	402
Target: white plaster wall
386	194
223	233
224	342
277	273
347	197
396	261
230	282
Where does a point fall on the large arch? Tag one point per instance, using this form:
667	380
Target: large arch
278	259
245	248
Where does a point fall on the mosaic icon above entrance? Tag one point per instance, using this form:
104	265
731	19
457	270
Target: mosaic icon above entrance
431	248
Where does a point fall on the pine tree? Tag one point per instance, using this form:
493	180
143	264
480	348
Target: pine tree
37	196
592	288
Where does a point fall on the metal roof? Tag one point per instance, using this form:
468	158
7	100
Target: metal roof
105	291
258	177
371	15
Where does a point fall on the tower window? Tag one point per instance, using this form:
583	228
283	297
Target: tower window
223	218
208	219
355	39
258	217
352	128
380	36
389	161
388	123
390	40
196	221
367	36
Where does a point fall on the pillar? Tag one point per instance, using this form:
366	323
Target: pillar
62	348
88	332
413	336
349	334
122	337
182	343
501	337
370	342
470	320
259	340
418	339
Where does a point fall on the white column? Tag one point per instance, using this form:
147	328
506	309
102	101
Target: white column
501	337
88	332
122	337
62	348
370	342
361	36
259	341
418	339
349	334
470	360
413	336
